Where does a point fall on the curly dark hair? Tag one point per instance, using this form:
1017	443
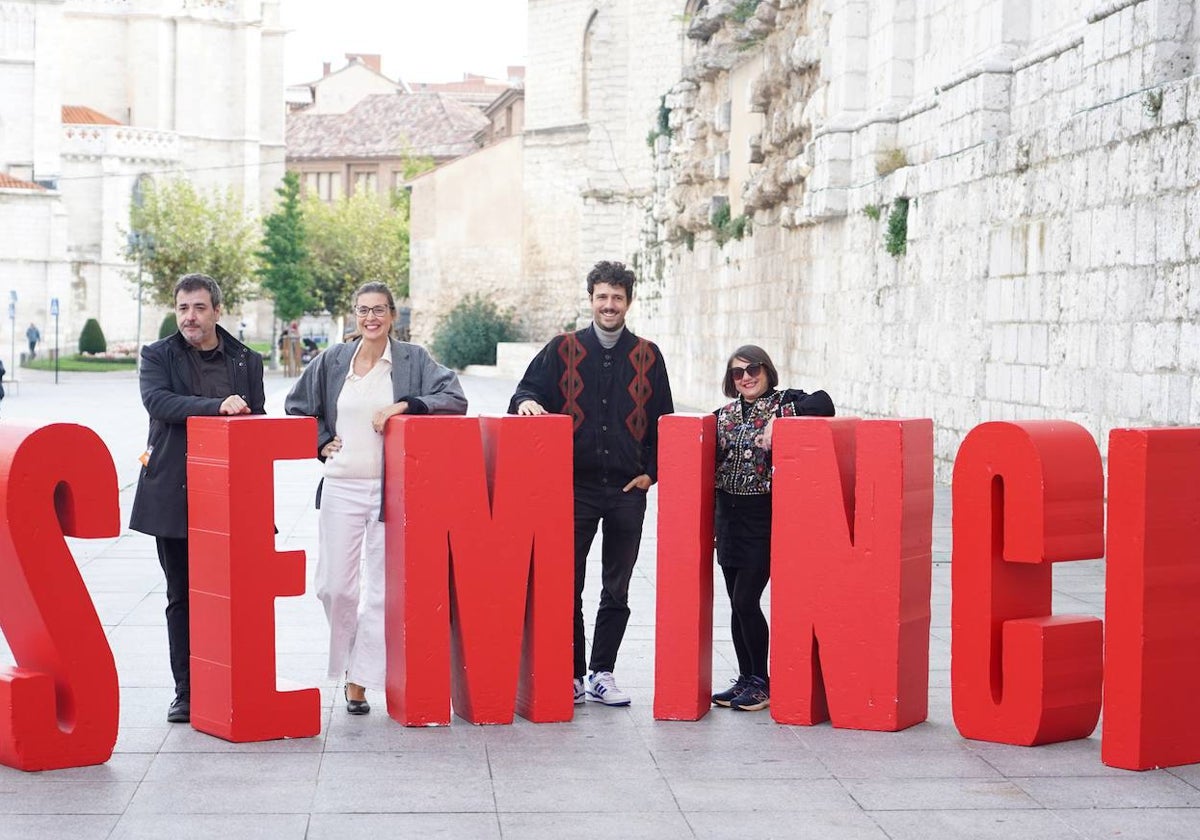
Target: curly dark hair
614	273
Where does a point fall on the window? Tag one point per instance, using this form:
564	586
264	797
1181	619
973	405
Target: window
324	185
366	181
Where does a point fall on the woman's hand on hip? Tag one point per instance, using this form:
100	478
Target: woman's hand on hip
330	449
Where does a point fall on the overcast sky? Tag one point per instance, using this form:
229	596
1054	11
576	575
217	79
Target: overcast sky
420	40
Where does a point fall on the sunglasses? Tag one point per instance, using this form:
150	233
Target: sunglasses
738	372
377	311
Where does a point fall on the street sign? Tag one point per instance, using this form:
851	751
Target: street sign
54	307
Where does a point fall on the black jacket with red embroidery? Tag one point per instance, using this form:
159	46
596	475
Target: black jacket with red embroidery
615	397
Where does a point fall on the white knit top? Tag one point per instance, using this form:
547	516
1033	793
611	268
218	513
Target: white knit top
361	455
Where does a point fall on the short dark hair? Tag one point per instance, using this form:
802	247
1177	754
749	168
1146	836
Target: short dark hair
755	355
614	273
196	282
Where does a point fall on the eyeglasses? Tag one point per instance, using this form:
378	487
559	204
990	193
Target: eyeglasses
377	311
738	372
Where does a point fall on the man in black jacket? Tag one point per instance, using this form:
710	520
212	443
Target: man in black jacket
614	385
201	370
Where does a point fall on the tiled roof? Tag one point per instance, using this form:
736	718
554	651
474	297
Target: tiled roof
387	125
83	115
8	182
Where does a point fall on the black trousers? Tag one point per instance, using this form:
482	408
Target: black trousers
743	525
173	557
622	514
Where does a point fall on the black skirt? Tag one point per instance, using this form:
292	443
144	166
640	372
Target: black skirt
743	530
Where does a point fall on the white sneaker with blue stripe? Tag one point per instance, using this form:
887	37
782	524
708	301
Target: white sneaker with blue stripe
602	687
580	693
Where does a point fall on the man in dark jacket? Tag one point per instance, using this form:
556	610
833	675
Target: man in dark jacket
615	386
201	370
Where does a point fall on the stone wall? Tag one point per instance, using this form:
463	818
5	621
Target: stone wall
1048	159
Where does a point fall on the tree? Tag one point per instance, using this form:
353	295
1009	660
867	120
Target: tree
178	230
355	240
283	260
91	337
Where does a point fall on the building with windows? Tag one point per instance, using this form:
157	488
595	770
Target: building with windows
194	90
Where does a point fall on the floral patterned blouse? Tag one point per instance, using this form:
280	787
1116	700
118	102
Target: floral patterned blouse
743	465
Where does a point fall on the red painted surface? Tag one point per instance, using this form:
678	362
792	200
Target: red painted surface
1152	593
235	575
850	571
683	631
480	568
59	705
1026	495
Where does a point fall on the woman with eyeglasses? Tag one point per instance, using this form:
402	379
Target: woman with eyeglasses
743	514
352	389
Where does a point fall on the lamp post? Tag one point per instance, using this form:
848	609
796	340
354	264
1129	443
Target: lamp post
140	243
12	320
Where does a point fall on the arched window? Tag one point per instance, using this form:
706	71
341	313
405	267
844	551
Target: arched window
589	32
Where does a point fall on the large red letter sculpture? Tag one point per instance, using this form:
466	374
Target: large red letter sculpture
850	568
235	574
59	706
467	517
684	617
1026	495
1152	593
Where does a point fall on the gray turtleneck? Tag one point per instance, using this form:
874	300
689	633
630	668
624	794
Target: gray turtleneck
608	339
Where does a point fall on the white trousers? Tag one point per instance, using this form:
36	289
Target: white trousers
351	539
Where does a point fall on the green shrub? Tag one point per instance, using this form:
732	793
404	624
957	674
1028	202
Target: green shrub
469	332
896	241
91	340
169	326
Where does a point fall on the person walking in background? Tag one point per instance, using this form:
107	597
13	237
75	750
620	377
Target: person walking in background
201	370
33	335
743	508
615	387
352	389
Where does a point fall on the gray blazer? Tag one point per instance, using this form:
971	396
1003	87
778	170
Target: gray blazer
427	387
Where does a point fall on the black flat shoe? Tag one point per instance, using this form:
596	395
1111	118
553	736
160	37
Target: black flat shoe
180	710
355	707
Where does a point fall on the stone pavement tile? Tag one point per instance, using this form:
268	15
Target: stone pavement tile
1152	789
35	795
225	796
202	768
785	825
937	794
362	793
143	739
386	826
57	827
603	794
121	767
1135	823
750	793
1190	773
976	824
467	764
524	762
936	733
183	738
740	761
625	825
954	761
211	827
1069	758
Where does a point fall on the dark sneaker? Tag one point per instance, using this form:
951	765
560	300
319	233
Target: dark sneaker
753	698
180	711
724	698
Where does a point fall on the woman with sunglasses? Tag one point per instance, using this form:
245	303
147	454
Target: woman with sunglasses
352	389
743	515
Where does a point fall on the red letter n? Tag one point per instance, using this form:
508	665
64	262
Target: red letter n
850	568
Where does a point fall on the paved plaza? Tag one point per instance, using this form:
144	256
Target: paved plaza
610	773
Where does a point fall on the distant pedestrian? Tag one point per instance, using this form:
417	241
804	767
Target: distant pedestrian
33	335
